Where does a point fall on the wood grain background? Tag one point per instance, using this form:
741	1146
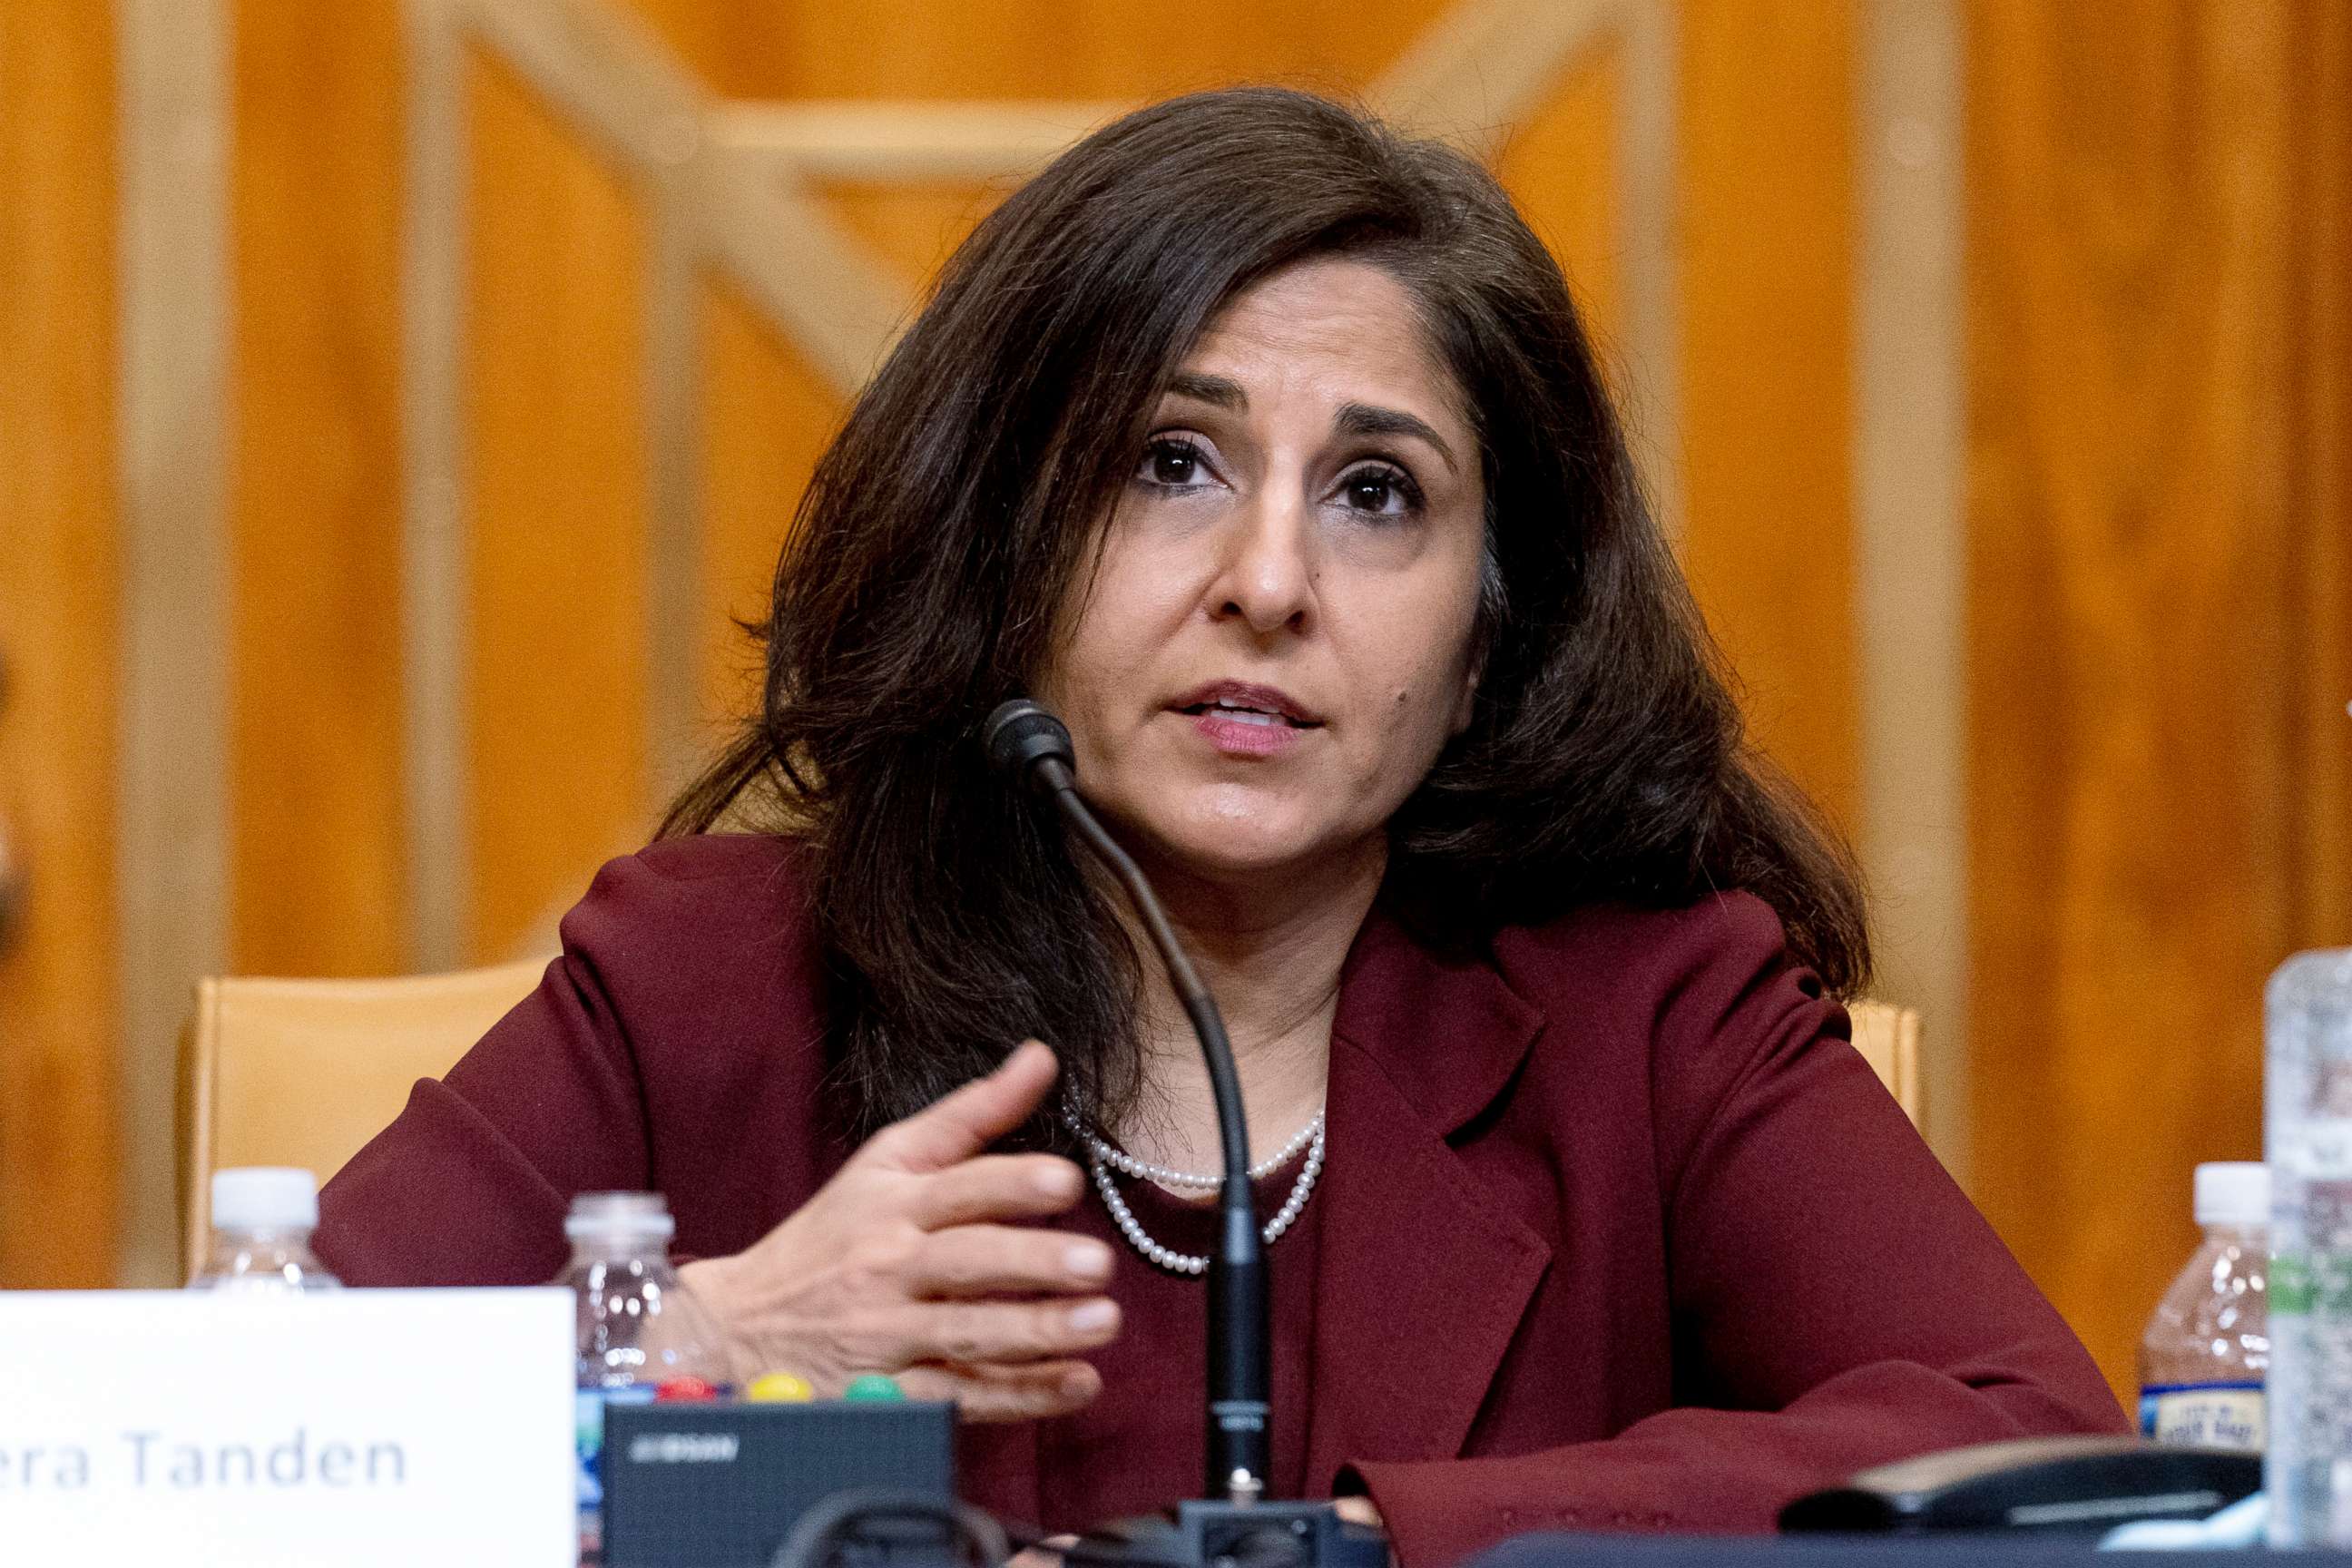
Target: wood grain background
2157	527
2159	611
58	1145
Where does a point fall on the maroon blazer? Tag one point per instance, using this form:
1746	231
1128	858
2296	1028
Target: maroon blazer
1615	1230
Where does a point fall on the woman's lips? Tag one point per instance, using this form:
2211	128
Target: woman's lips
1242	734
1248	695
1244	720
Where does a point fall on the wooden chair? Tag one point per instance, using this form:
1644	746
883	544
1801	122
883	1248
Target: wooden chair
303	1072
1888	1039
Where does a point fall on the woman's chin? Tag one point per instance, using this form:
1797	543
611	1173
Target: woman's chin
1235	854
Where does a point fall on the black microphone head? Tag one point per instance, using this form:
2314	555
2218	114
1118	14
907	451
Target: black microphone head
1021	734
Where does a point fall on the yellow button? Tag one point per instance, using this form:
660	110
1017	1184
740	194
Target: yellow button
780	1388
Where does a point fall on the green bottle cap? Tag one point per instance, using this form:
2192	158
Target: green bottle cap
873	1385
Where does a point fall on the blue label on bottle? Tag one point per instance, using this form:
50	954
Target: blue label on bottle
2204	1415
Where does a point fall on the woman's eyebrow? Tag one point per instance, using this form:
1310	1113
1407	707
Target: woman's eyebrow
1215	390
1367	419
1354	418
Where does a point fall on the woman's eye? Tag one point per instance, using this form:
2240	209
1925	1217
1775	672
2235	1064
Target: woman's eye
1174	464
1387	492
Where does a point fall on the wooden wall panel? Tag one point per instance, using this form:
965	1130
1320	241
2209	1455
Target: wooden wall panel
912	227
557	502
1560	167
317	872
58	1080
770	416
1105	49
710	39
2134	276
1766	280
2322	476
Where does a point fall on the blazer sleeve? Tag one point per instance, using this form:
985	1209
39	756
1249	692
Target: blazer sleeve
470	1184
1837	1301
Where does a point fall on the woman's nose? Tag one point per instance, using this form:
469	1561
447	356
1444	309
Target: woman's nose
1267	580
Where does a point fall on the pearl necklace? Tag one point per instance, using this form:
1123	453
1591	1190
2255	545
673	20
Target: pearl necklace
1127	1164
1103	1155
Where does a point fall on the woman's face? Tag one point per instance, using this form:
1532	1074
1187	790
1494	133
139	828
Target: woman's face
1278	641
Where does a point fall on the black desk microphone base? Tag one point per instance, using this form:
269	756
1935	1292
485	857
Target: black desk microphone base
1233	1535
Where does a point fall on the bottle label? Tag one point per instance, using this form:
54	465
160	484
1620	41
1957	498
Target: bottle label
2316	1149
2303	1282
2204	1415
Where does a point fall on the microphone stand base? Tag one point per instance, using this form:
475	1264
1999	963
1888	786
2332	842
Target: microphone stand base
1233	1535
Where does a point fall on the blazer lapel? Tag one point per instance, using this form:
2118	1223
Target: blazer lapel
1423	1270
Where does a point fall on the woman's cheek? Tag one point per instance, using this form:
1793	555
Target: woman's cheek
1421	714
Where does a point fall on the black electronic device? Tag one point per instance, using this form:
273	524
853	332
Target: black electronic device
711	1485
2080	1485
1250	1535
1236	1526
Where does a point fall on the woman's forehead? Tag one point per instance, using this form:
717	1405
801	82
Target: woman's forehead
1331	329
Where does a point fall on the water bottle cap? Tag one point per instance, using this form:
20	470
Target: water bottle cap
2233	1193
627	1214
265	1197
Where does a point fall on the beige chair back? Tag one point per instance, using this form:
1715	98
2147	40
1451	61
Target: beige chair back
303	1072
1888	1039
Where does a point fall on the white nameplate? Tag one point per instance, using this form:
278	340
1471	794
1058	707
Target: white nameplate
360	1428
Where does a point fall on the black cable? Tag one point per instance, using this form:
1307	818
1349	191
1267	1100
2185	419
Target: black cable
850	1526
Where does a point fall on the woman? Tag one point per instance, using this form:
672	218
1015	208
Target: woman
1265	448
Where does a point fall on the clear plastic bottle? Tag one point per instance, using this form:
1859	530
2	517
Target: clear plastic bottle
639	1327
2207	1350
2307	1136
262	1219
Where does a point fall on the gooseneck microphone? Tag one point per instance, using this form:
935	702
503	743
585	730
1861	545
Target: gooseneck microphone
1032	748
1233	1523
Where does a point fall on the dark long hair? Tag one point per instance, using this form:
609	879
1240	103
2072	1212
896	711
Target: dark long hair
960	503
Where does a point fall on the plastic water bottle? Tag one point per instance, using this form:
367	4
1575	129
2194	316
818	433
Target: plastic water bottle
2307	1099
2206	1350
262	1219
639	1328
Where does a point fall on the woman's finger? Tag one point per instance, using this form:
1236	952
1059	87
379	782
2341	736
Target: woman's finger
958	1126
997	1187
974	1260
972	1333
1037	1392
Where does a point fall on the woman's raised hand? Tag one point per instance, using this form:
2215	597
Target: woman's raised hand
911	1261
